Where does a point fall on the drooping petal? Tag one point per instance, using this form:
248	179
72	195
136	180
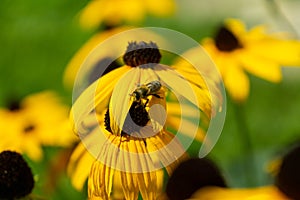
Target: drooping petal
95	96
79	166
185	127
166	149
179	85
117	192
130	185
120	99
101	175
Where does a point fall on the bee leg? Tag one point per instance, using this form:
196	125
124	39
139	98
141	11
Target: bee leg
145	142
146	103
157	96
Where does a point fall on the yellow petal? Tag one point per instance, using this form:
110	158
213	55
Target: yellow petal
120	99
79	58
90	16
96	95
130	186
166	149
236	26
117	192
264	68
236	83
283	52
101	175
185	127
79	166
160	7
179	85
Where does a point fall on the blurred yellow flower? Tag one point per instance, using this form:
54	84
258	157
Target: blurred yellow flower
260	193
80	56
39	120
115	12
237	51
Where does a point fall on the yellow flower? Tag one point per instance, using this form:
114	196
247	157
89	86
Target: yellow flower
135	166
237	52
115	12
139	72
260	193
39	120
138	90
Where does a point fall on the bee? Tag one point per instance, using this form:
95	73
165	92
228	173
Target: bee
145	90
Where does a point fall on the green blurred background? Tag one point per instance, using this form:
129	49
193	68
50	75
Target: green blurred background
38	38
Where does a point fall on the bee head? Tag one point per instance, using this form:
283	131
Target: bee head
136	96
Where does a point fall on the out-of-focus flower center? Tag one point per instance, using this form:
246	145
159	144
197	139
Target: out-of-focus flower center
103	67
137	118
225	40
141	53
14	106
16	179
29	128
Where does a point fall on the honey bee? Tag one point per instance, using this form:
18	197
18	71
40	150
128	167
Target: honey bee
145	90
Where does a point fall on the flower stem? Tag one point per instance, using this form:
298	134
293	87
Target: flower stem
248	161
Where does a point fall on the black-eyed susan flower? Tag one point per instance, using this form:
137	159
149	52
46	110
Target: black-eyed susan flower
135	143
237	52
16	178
39	120
288	178
137	154
141	67
116	12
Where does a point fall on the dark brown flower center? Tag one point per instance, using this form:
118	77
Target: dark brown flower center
192	175
288	178
141	53
29	128
16	179
136	119
225	40
14	106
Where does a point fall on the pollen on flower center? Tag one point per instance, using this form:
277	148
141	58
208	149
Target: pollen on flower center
29	128
141	53
225	40
16	179
137	117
